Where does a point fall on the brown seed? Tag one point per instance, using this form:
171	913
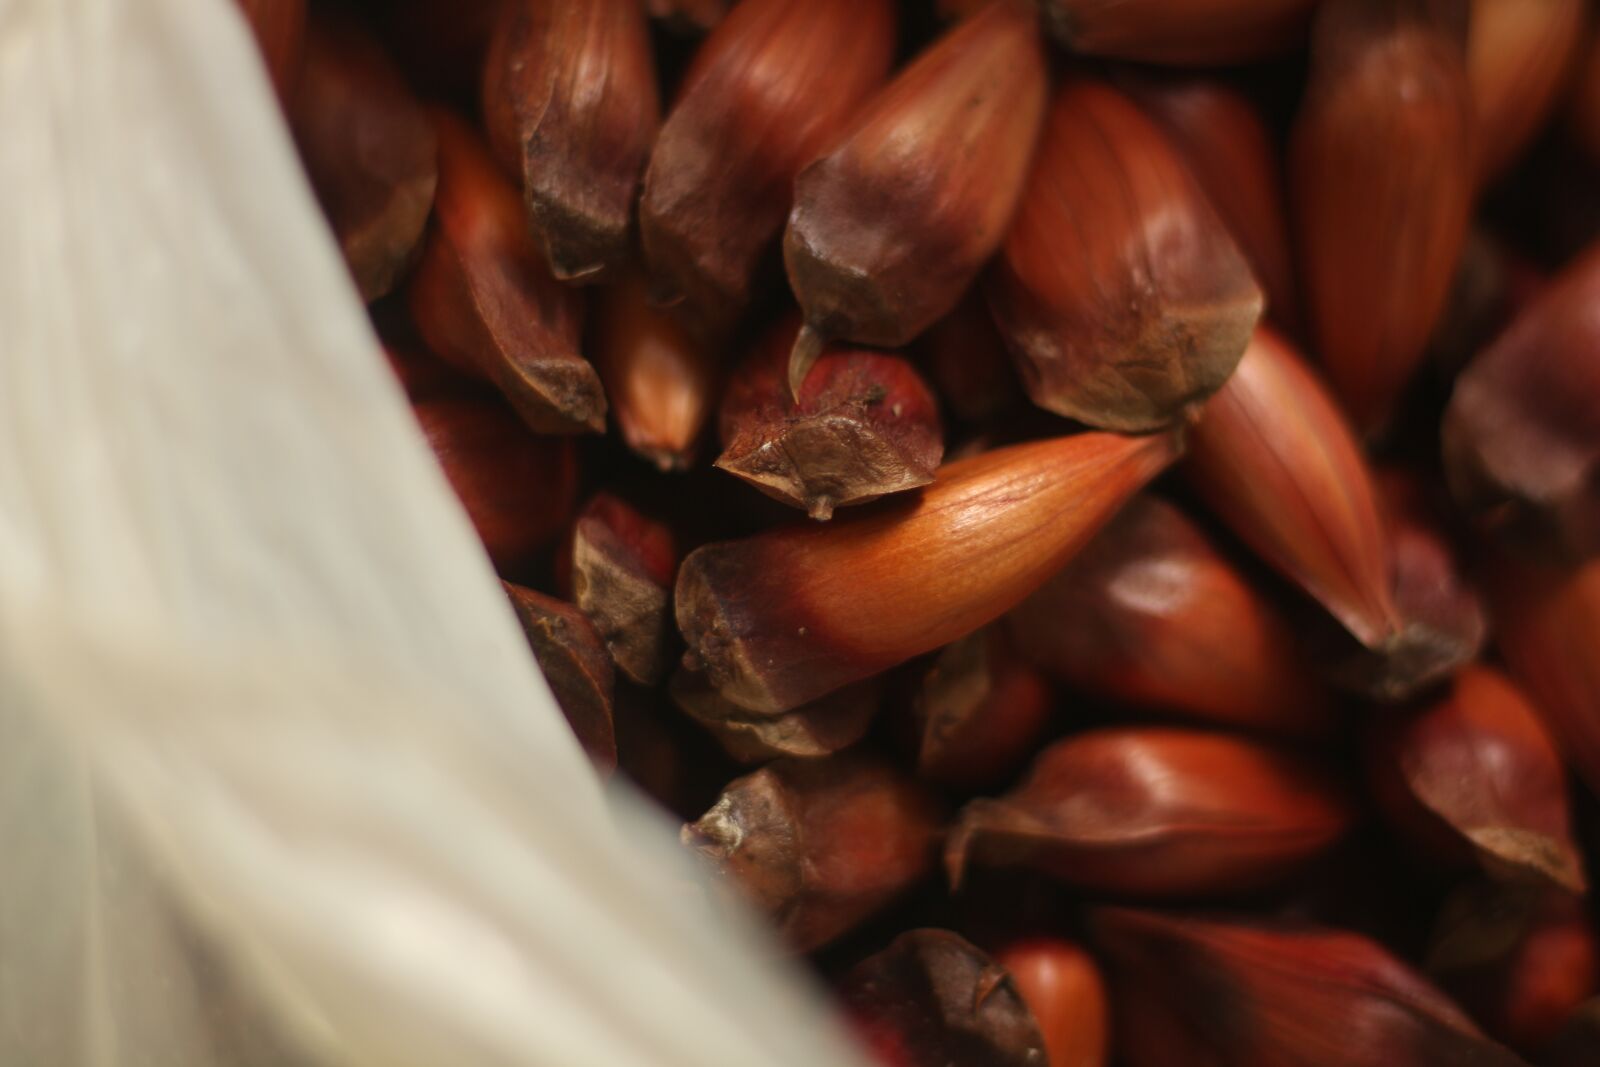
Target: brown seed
968	363
369	150
821	728
1442	620
934	999
780	619
483	300
1476	777
570	107
1520	58
1272	994
1183	32
1156	812
1522	432
1119	290
1153	615
696	15
1273	457
864	425
619	571
661	383
976	713
575	662
1520	960
280	28
518	489
893	224
1226	144
1381	171
770	89
1548	628
819	845
1063	988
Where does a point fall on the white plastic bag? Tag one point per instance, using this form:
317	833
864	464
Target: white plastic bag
279	783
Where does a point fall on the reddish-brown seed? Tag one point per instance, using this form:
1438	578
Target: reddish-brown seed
1521	436
618	569
1475	777
368	148
821	728
967	362
518	489
575	662
780	619
769	90
934	999
1520	960
1547	622
1226	144
570	107
864	425
1520	57
661	383
1273	457
1153	615
1381	174
483	300
280	27
1119	290
819	845
1156	812
977	712
1063	988
1442	620
894	223
1228	992
1187	33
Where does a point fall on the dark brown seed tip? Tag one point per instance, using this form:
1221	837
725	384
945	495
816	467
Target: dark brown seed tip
933	999
621	568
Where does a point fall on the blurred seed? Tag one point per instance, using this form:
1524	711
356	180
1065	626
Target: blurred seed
1183	32
1156	812
1381	172
821	728
1272	994
1520	59
1476	777
368	148
279	27
1521	436
1063	988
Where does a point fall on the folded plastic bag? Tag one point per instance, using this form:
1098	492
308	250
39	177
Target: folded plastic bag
279	782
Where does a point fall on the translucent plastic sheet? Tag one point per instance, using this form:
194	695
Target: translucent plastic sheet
279	783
